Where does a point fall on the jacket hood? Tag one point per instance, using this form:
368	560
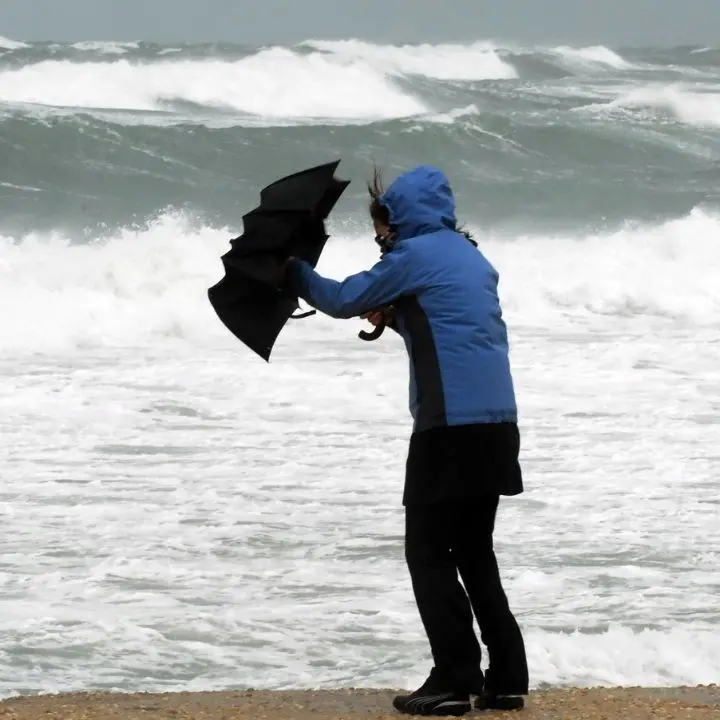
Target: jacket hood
420	201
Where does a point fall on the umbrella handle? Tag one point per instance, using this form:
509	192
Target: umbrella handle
374	334
303	315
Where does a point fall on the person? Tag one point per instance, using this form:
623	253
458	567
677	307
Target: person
437	290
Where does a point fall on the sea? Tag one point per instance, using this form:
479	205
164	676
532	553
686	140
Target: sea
178	514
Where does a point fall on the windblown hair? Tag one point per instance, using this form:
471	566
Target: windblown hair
380	213
376	188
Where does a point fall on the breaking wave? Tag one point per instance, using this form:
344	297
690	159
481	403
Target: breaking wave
477	61
107	48
693	108
276	82
342	80
8	44
136	285
595	56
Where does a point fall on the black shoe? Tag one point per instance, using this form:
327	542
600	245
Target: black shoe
499	702
422	703
431	698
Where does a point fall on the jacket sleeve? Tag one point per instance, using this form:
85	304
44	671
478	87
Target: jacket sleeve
387	280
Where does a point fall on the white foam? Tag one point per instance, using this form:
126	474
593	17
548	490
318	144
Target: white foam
263	501
667	270
476	61
8	44
99	294
621	656
693	108
450	117
597	55
273	83
203	651
106	48
12	186
138	285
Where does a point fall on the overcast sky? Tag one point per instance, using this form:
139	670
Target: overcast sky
616	22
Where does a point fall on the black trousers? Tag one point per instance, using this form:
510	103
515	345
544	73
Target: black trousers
448	538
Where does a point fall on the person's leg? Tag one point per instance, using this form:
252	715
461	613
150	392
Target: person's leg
472	547
441	600
445	613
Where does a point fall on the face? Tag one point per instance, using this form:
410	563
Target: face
381	229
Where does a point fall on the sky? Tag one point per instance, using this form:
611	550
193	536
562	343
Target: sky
261	22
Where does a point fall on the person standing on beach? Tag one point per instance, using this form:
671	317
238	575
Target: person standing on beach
437	290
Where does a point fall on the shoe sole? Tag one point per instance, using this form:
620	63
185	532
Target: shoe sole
454	710
447	709
508	704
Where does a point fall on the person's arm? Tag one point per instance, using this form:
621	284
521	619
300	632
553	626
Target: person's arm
387	280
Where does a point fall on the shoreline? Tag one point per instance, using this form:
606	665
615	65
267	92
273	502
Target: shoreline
629	703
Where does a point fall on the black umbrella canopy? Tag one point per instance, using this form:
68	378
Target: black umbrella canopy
290	221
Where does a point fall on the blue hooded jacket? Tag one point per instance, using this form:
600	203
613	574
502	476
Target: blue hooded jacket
446	302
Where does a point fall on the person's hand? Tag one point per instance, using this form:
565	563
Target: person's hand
282	272
375	317
379	316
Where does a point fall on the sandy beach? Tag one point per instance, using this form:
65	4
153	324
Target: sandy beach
691	703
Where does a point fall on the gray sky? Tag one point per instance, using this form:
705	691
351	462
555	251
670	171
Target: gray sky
616	22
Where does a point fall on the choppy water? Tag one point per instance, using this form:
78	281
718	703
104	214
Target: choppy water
177	514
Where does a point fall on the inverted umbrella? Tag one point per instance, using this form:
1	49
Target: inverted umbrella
290	221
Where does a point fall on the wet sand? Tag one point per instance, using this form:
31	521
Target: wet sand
696	703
